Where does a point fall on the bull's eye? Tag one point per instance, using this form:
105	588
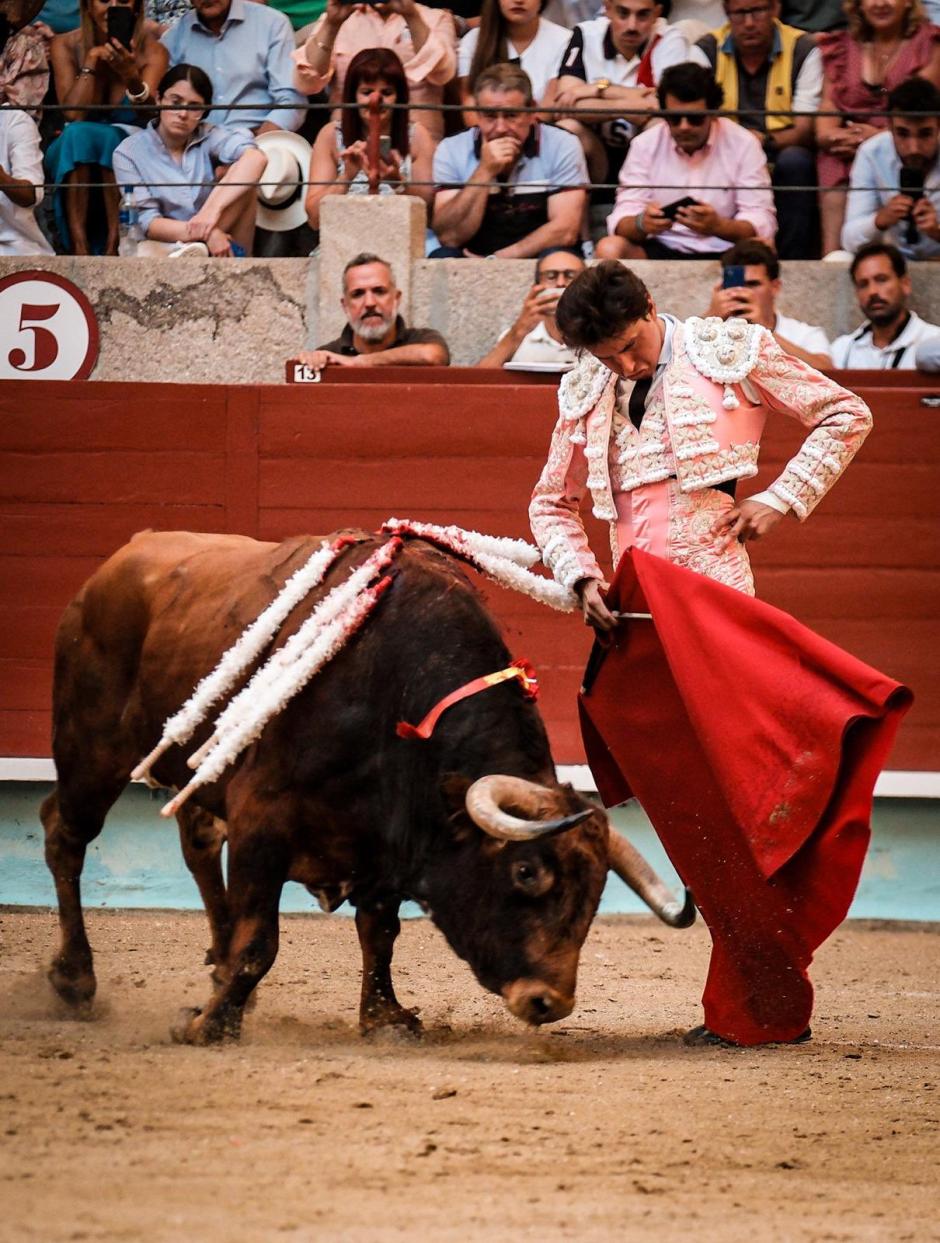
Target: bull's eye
530	878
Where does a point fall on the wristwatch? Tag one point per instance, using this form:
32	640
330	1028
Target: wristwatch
602	85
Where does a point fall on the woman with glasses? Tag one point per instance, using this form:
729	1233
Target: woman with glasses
173	165
115	61
887	41
340	160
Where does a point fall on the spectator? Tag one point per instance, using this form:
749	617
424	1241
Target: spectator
887	42
173	164
568	13
539	201
339	153
535	338
892	337
165	13
20	185
905	158
375	334
814	15
424	40
513	30
60	15
91	68
24	54
245	51
616	59
764	66
756	301
690	148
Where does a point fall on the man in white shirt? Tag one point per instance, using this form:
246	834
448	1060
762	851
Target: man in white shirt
755	271
892	337
535	338
615	61
21	180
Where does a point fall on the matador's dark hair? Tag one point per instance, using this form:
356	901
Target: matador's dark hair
600	303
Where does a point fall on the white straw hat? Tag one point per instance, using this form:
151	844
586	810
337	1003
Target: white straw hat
280	196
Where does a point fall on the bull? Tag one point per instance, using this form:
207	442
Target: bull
472	824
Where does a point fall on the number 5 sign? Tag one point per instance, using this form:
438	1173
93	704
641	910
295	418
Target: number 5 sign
48	329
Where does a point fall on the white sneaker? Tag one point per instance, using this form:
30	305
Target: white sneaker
189	250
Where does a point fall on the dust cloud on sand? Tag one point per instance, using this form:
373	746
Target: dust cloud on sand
603	1127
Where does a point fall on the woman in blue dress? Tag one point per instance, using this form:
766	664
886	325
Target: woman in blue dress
92	69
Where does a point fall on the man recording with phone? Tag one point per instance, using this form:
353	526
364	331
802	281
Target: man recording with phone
723	164
748	289
894	191
535	338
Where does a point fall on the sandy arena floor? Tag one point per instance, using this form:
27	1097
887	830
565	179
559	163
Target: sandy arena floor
600	1128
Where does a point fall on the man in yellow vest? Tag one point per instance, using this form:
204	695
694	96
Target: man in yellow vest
766	68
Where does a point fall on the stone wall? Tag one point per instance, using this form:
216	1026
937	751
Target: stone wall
236	321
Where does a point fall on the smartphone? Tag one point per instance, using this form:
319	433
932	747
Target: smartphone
550	294
121	20
385	145
911	181
670	210
732	277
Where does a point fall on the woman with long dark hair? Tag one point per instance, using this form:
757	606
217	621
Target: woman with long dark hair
513	30
340	165
92	66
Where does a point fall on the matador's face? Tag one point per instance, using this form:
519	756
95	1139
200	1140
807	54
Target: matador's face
634	351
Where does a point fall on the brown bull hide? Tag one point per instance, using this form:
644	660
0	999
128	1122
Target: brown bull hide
328	795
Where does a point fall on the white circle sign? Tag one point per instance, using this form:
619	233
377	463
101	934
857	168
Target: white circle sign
48	329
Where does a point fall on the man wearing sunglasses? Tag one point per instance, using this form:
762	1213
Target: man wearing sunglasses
534	338
766	68
693	187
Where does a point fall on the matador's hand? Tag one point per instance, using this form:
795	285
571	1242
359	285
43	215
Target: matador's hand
747	521
596	612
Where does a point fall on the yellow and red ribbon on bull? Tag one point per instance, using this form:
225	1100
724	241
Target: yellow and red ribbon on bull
519	669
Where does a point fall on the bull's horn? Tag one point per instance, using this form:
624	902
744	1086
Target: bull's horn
634	871
486	797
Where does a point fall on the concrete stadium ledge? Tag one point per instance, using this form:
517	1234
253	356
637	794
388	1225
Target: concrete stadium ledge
207	321
891	784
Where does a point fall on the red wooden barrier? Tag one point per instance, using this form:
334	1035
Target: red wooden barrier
87	464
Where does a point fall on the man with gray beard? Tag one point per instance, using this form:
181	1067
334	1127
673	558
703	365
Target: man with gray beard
375	334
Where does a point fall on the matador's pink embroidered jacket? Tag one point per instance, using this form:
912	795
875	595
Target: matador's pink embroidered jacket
702	427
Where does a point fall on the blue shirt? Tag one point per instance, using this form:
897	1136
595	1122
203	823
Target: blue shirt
876	175
143	161
551	160
248	62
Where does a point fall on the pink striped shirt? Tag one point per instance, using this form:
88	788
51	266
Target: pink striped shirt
732	157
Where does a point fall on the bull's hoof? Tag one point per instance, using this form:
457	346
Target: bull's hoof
377	1018
197	1027
75	985
704	1038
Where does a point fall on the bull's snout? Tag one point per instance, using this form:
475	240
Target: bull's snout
536	1002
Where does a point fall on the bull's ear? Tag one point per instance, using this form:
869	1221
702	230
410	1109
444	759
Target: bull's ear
454	787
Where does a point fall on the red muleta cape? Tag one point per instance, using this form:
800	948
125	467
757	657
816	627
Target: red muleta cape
753	745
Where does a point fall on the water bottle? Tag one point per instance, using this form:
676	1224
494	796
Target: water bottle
128	226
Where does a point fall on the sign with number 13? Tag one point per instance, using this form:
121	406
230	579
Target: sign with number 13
48	329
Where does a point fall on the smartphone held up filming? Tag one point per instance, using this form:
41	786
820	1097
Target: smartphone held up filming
732	277
121	20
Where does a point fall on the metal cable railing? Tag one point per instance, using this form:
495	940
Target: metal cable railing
376	108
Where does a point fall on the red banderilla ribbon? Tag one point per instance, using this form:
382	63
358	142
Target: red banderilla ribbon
520	669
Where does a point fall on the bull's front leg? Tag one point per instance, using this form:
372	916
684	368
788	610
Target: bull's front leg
378	929
258	864
202	837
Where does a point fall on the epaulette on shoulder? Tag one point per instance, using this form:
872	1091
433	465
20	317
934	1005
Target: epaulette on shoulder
723	350
581	388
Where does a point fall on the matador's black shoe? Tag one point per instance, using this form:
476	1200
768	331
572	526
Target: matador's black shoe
704	1037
